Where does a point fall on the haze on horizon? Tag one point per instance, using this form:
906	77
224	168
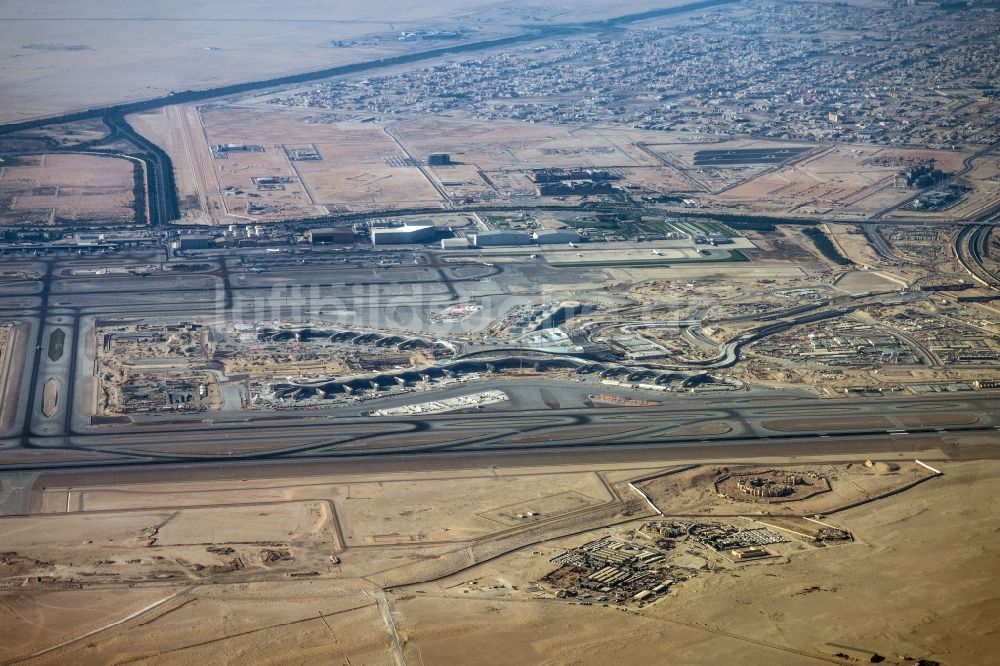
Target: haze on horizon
69	55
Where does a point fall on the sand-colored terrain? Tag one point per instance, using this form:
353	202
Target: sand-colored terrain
850	182
396	523
47	189
362	166
922	558
500	144
984	183
371	163
504	151
13	351
223	569
50	396
453	630
826	488
302	623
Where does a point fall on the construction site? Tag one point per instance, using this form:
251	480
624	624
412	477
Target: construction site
788	491
610	570
787	322
145	368
547	540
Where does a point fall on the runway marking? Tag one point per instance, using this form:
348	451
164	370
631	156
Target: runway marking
923	464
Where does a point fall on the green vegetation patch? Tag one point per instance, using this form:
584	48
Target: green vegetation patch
826	246
57	343
608	222
739	223
190	268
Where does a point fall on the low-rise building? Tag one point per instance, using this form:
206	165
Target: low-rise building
554	236
402	234
454	243
501	239
331	235
196	242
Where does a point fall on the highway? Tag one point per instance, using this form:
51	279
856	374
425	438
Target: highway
971	249
878	242
161	190
417	161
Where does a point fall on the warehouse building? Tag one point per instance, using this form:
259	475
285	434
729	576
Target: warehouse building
196	242
439	159
331	235
402	234
743	554
501	238
552	236
454	243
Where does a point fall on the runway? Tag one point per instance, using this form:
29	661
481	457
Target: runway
823	425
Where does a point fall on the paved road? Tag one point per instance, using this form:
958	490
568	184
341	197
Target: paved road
971	248
878	241
383	604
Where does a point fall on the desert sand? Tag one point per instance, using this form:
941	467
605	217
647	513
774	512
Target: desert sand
227	570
